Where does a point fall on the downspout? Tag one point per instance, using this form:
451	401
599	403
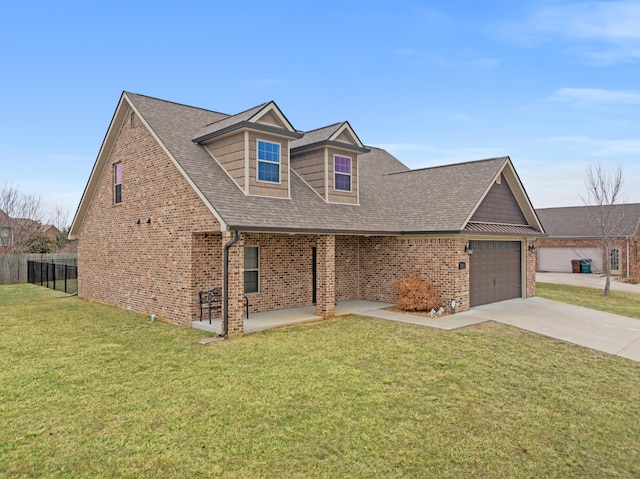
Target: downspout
225	319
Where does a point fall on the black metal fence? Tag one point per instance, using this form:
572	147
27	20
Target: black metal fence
61	275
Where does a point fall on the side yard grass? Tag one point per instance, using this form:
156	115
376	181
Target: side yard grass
88	390
618	302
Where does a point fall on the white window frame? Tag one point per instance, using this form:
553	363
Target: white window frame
617	259
115	184
258	161
350	175
257	270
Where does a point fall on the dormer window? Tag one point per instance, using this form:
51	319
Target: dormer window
268	161
341	173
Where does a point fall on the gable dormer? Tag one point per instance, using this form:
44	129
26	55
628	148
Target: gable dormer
327	159
253	148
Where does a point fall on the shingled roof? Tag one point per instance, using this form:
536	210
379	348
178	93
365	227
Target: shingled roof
581	222
393	199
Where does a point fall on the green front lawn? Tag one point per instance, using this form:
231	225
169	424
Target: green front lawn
88	390
618	302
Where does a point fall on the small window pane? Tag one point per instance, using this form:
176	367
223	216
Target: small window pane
250	257
268	172
269	151
118	173
250	281
343	182
342	164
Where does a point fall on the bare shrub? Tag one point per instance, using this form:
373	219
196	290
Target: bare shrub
416	294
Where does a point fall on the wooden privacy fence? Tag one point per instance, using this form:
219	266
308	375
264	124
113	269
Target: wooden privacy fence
13	267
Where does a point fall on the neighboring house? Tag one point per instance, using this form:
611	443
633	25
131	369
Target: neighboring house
13	232
6	232
182	198
573	233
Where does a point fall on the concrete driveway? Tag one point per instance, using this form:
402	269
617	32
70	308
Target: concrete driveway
587	280
605	332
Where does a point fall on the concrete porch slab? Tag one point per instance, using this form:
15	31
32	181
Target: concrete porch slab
286	317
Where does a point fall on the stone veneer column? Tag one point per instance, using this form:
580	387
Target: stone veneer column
236	285
326	276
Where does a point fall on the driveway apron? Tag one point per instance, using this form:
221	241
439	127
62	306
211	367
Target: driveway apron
605	332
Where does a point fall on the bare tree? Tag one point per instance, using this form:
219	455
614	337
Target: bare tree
606	196
21	225
60	218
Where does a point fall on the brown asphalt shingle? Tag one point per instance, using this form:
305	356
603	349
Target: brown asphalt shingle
393	199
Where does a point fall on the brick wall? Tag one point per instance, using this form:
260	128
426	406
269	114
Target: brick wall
144	267
366	268
385	260
634	259
285	271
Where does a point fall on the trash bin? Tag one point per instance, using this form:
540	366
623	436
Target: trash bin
575	266
585	266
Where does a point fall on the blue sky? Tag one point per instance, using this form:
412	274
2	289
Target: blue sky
553	84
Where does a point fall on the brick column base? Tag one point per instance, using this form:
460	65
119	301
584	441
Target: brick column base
326	276
236	285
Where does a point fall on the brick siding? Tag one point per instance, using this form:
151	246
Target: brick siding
143	267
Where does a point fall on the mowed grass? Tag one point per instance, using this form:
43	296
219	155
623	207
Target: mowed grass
618	302
91	391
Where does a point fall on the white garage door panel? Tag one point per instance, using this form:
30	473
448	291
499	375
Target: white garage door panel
558	260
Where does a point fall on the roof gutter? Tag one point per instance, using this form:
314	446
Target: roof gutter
253	126
332	143
225	320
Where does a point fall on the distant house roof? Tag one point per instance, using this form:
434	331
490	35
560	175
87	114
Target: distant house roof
580	221
5	220
392	198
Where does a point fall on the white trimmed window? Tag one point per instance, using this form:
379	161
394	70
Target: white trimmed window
268	161
615	259
117	183
341	173
251	269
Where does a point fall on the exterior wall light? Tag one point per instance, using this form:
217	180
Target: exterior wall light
468	249
532	248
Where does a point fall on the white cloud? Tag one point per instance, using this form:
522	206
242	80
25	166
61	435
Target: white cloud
603	32
595	96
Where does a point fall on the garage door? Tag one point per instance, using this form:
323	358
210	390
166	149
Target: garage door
558	259
495	271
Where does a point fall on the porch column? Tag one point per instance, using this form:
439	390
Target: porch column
326	276
236	285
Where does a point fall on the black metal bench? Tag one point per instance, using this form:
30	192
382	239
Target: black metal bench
210	301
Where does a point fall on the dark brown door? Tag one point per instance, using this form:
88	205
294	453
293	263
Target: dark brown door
495	271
